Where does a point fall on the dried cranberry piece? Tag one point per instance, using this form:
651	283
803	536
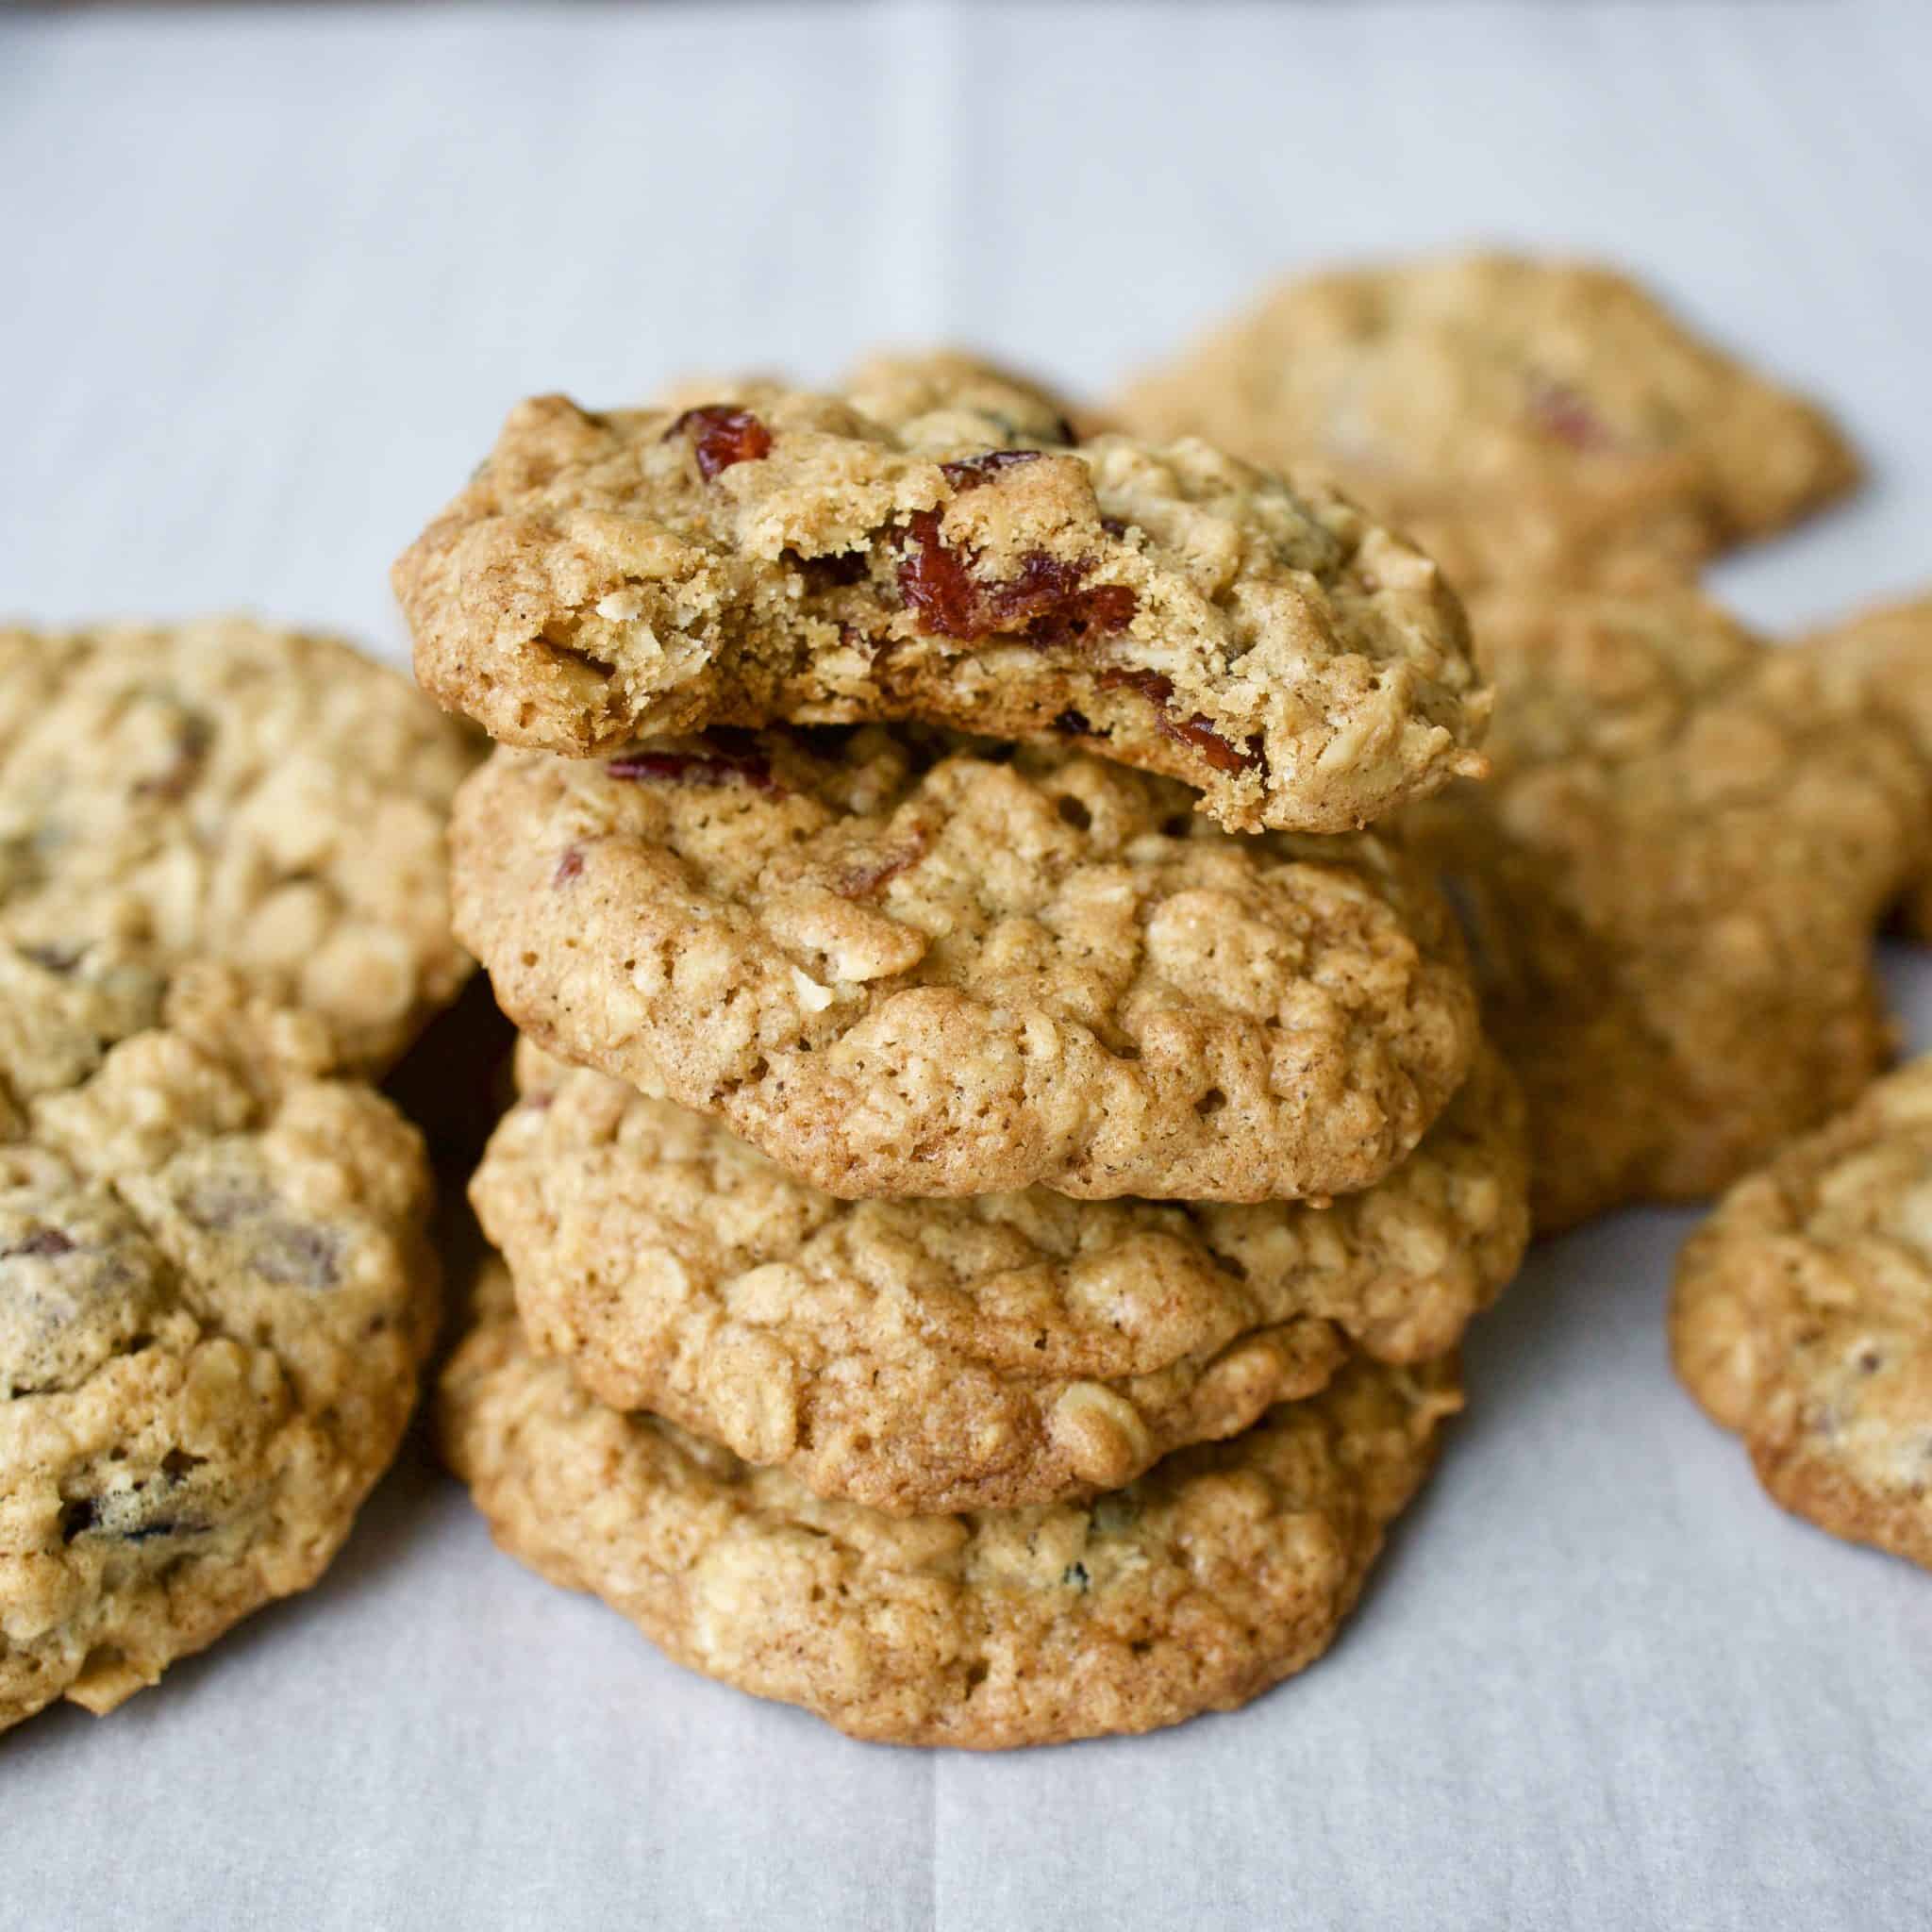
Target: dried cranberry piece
1043	602
1113	526
1107	608
860	881
568	867
1195	732
1566	413
1150	684
971	472
43	1241
720	436
1073	723
1043	586
718	767
1224	757
936	582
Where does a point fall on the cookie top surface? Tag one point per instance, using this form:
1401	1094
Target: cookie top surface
1671	887
901	969
773	555
1802	1319
1222	1570
216	1290
1881	660
980	1353
1519	417
220	789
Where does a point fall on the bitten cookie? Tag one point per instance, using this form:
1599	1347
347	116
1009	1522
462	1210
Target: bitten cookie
986	1353
216	1290
1222	1571
1672	887
225	790
771	556
1519	418
898	967
1802	1320
1881	660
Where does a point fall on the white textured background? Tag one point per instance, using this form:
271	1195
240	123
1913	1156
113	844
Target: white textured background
266	283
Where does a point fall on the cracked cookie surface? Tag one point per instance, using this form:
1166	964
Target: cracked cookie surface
771	556
222	789
216	1290
985	1353
898	967
1672	887
1519	418
1222	1570
1802	1320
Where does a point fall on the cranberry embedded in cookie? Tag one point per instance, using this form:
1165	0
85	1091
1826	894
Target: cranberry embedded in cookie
936	544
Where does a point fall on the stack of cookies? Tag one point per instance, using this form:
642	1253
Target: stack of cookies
988	1218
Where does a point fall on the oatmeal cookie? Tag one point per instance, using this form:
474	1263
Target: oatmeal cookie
1881	660
220	789
986	1353
216	1291
1521	418
900	968
1222	1571
773	555
1671	890
1802	1319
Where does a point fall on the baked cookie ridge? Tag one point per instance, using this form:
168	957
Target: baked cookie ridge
900	964
994	1351
1222	1571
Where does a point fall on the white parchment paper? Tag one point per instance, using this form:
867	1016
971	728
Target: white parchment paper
267	284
